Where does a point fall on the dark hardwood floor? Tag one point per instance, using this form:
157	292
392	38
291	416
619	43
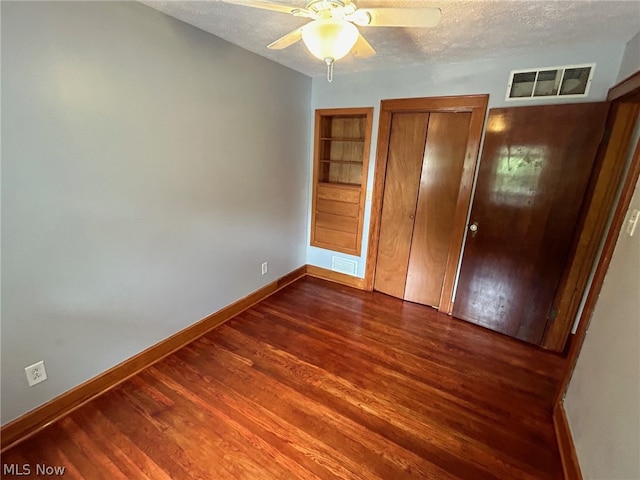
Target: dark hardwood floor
321	381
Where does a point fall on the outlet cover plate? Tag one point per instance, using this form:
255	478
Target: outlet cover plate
633	222
36	373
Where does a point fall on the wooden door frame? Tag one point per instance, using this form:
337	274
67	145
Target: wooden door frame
598	204
624	97
477	106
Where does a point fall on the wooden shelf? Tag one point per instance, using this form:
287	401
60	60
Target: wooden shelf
342	139
329	184
346	162
341	156
355	186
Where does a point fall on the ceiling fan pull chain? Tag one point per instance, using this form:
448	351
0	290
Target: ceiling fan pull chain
329	62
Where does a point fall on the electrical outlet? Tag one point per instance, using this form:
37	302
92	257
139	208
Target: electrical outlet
36	373
264	268
633	222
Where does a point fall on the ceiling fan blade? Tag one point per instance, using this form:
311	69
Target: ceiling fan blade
287	40
275	7
362	48
397	17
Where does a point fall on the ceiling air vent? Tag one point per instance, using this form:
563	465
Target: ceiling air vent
568	81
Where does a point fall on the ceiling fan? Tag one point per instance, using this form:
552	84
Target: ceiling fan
333	32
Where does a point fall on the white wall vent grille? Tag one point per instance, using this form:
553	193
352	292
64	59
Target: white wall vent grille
568	81
343	265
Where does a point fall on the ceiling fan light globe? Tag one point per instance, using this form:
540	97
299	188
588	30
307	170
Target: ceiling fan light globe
330	38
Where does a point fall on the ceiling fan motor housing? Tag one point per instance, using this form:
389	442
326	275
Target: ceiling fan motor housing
330	8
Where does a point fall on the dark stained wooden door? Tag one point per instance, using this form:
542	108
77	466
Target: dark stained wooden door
535	167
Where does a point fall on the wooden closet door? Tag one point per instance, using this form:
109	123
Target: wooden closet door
406	148
415	239
442	166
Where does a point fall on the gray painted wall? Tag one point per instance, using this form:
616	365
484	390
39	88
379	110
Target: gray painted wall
603	398
149	169
473	77
631	58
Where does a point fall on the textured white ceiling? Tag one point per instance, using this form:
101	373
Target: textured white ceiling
468	30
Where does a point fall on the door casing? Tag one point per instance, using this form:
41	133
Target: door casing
601	201
477	106
625	98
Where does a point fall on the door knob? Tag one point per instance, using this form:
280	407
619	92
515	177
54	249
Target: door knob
474	229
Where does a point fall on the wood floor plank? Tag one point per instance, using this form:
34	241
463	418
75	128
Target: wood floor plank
408	393
410	369
255	456
112	441
382	406
324	423
85	443
446	367
284	430
339	413
321	381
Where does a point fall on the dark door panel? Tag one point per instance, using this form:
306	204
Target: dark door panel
535	167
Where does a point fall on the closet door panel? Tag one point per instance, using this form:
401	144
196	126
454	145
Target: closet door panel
406	149
442	167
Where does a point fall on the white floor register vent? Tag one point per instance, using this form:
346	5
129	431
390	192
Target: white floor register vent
343	265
